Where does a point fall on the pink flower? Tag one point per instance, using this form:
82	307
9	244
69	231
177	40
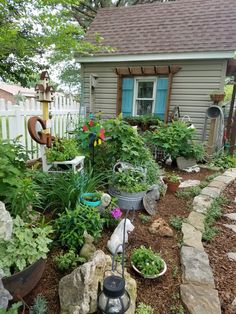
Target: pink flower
116	213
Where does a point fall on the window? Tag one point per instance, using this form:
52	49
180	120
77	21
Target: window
144	96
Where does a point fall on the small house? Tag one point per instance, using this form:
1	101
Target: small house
162	56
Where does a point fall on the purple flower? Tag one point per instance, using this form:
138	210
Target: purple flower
116	213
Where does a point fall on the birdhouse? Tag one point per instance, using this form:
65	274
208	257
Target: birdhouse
44	92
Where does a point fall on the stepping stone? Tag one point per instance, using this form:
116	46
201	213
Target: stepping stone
196	220
212	192
192	237
231	216
200	299
195	267
232	227
232	256
189	183
201	203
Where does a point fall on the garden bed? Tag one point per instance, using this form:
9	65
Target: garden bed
162	293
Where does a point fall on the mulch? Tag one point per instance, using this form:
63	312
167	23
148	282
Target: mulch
161	293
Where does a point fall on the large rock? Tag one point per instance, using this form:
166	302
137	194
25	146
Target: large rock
226	179
201	203
78	291
192	237
232	256
217	184
195	267
161	227
200	299
211	191
5	223
5	296
196	220
183	163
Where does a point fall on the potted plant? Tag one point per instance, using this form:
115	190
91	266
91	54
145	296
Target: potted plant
172	181
128	185
62	150
148	263
22	258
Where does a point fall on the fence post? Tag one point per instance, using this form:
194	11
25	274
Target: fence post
19	126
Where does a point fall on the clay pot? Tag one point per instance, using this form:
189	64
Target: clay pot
171	186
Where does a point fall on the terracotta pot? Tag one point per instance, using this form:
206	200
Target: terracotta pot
171	186
20	284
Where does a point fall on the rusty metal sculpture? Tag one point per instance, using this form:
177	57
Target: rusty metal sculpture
39	136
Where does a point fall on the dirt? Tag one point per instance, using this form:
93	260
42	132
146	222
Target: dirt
162	293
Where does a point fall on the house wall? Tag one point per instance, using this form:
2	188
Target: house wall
190	90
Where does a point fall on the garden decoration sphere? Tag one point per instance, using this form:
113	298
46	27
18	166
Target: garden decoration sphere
113	299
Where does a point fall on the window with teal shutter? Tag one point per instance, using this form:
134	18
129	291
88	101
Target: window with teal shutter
161	97
127	96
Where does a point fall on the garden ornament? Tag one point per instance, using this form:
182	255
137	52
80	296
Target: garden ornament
105	199
116	239
150	200
88	248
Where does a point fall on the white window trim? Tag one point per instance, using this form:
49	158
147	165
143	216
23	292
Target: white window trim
135	93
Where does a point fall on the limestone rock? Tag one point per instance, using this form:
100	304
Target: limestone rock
232	256
184	163
195	267
211	191
231	216
230	172
78	291
217	184
200	299
226	179
232	227
201	203
192	237
4	294
196	220
161	227
189	183
234	303
5	223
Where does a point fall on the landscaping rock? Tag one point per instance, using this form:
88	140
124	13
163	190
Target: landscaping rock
192	237
184	163
5	223
232	227
195	267
232	256
226	179
234	303
200	299
5	296
78	291
211	191
230	172
231	216
218	184
189	183
235	200
161	227
196	220
201	203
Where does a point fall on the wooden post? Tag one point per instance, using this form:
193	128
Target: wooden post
119	95
168	96
230	117
233	135
211	139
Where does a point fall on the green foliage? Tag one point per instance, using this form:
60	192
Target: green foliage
71	224
188	192
176	139
12	310
109	221
27	245
62	150
228	89
223	161
144	122
144	218
39	306
143	308
177	309
173	177
176	222
147	261
68	260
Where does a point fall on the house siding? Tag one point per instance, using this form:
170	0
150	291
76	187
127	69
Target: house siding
190	89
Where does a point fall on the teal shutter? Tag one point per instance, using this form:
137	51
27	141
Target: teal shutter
161	96
127	96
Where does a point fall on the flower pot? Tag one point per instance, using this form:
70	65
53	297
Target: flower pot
22	283
89	202
128	200
171	186
151	276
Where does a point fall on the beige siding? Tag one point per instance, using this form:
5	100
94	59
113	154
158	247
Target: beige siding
190	91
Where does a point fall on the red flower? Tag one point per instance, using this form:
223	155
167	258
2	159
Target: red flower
91	123
85	128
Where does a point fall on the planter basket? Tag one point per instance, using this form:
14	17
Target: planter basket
151	276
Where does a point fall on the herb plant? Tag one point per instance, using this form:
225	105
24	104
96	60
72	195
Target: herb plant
173	178
68	260
143	308
39	306
27	245
62	149
147	261
71	224
176	222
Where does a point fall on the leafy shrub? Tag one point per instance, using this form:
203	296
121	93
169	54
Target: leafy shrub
71	224
143	308
39	306
147	261
27	245
176	139
223	161
62	149
69	260
12	310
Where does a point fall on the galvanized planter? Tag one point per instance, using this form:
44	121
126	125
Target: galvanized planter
20	284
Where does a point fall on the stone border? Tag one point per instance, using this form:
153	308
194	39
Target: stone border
197	290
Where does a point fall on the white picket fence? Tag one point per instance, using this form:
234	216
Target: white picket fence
14	119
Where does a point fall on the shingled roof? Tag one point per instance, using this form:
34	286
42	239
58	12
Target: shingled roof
180	26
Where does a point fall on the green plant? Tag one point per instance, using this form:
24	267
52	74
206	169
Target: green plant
68	260
143	308
171	177
62	149
144	218
177	309
176	222
27	245
12	310
147	261
71	224
39	306
188	192
176	139
223	161
175	271
110	221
